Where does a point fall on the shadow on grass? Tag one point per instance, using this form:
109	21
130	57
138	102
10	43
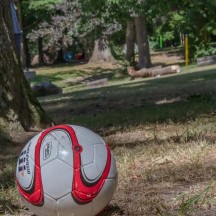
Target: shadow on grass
178	139
112	209
8	158
8	206
175	81
94	118
176	98
9	153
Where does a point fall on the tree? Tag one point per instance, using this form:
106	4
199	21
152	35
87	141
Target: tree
101	52
130	41
40	50
136	10
100	16
59	30
194	18
142	42
33	13
77	22
19	110
199	17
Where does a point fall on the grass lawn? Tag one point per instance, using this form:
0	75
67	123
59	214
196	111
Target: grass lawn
161	130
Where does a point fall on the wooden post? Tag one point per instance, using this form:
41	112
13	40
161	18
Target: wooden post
161	41
186	50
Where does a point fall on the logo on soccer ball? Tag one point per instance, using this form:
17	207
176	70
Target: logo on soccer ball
47	150
22	160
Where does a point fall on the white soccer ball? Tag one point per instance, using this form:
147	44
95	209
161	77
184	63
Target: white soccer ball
66	170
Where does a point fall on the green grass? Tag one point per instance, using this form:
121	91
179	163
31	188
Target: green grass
177	98
177	112
74	75
161	130
189	204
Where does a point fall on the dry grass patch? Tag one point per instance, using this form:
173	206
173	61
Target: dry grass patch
162	177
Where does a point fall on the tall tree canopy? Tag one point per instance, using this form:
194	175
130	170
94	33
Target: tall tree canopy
76	22
87	22
33	13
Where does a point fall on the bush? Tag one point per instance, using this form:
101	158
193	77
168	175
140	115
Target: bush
202	50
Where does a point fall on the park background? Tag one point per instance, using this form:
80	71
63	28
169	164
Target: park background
161	129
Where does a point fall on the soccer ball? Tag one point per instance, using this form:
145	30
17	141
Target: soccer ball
66	170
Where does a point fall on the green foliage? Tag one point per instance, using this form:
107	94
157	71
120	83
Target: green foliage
34	12
177	20
204	49
194	18
189	204
42	4
109	17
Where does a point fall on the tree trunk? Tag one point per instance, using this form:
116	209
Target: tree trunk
154	71
40	50
19	110
26	57
26	50
181	39
142	42
60	57
130	42
101	52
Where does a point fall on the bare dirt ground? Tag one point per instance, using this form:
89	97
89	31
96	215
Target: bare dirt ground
168	58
